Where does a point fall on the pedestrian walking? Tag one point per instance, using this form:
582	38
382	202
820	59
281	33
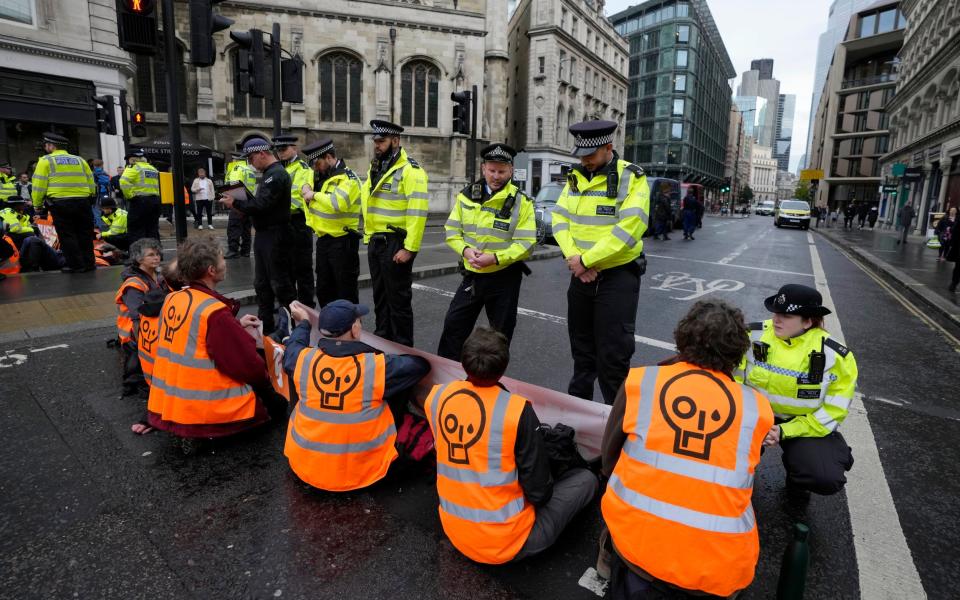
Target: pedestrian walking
849	212
203	194
661	216
269	209
954	255
598	223
835	216
873	215
863	210
238	223
395	202
944	231
492	228
332	206
301	249
821	213
905	215
140	184
63	183
690	209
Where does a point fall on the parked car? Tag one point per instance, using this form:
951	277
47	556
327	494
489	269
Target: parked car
792	212
766	208
543	205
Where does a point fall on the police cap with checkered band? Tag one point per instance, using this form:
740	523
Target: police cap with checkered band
498	152
382	129
588	136
797	299
315	150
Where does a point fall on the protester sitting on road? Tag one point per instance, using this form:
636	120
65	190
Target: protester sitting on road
498	499
115	219
681	447
37	255
810	379
208	380
142	276
33	252
341	434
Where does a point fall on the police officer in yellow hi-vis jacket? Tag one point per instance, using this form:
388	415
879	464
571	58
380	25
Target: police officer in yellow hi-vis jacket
302	249
810	379
493	228
140	184
238	224
598	223
395	203
333	212
64	183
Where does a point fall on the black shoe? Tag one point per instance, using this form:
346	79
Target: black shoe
282	332
232	255
691	237
130	390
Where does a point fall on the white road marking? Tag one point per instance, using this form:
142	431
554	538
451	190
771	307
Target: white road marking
592	581
49	348
551	318
12	360
884	561
726	260
694	286
719	264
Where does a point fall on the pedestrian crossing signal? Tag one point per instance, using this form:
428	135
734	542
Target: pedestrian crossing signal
138	122
137	26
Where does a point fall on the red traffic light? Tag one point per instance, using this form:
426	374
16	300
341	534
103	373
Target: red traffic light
139	7
139	118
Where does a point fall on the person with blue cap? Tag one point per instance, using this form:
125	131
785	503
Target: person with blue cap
598	223
269	209
352	398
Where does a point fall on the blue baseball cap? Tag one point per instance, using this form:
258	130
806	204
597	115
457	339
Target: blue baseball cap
337	317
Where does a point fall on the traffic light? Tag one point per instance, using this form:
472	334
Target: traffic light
251	68
291	80
138	124
106	119
137	26
461	112
203	24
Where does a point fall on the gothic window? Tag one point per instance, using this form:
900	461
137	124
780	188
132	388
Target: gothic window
151	82
539	129
419	93
341	87
245	105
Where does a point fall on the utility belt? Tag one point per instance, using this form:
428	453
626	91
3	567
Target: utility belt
298	218
395	233
521	266
637	266
70	200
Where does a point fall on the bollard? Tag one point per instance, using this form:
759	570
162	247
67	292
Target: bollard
793	569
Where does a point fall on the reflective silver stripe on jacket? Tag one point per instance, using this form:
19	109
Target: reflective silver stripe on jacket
478	515
349	448
188	358
203	395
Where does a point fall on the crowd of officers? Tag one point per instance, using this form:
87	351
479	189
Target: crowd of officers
683	438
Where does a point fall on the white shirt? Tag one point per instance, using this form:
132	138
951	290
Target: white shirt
202	188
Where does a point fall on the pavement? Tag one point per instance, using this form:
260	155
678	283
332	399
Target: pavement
91	510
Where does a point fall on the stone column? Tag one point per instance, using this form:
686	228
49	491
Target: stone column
495	59
944	184
922	206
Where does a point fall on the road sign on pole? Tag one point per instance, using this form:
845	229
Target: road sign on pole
811	174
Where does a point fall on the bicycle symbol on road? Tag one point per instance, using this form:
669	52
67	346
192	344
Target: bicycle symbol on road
694	286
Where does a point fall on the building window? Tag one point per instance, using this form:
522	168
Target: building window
419	92
573	27
676	131
573	69
559	127
541	64
341	87
867	25
682	58
563	18
563	59
589	37
683	34
23	12
651	63
678	107
151	82
887	21
539	129
680	83
683	9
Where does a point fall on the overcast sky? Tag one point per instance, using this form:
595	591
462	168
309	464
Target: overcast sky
786	31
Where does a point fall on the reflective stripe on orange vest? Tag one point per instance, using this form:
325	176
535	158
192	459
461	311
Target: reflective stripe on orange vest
124	318
147	345
341	434
482	507
11	266
678	502
186	386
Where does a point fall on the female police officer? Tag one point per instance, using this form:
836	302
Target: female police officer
809	378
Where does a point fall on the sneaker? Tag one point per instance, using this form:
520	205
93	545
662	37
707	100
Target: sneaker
209	226
282	331
197	226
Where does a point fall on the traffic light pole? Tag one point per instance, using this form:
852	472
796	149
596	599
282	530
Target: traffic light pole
472	150
277	94
173	120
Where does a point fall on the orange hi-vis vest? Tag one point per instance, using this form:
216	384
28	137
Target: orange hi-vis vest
482	507
678	501
186	387
124	319
341	434
147	345
11	266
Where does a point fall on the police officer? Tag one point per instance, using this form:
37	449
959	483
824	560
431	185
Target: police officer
598	223
493	228
333	212
810	379
238	224
302	249
395	203
140	185
15	221
8	183
64	183
269	209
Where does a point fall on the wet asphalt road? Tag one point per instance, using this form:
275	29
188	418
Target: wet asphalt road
91	511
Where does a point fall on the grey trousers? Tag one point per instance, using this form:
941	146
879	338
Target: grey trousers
571	493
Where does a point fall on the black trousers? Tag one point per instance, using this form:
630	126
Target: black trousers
132	370
143	218
199	207
302	256
498	293
272	283
601	321
35	254
73	220
238	233
121	240
817	464
955	278
338	268
392	289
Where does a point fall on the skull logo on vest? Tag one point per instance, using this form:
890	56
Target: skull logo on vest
334	388
174	319
699	408
148	334
463	419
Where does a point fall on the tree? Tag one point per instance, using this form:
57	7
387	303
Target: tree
803	191
746	194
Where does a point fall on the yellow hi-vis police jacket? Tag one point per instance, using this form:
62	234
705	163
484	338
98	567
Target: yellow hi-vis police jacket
116	223
336	206
61	175
8	186
300	174
481	222
814	409
603	218
15	222
240	171
400	199
140	179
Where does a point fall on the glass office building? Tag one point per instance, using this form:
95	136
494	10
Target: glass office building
678	98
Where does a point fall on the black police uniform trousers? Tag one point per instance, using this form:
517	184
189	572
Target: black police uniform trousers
497	292
143	218
272	282
238	233
392	288
818	465
302	256
338	268
601	321
73	220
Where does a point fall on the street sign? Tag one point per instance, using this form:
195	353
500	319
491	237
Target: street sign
913	173
519	174
889	188
898	169
811	174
